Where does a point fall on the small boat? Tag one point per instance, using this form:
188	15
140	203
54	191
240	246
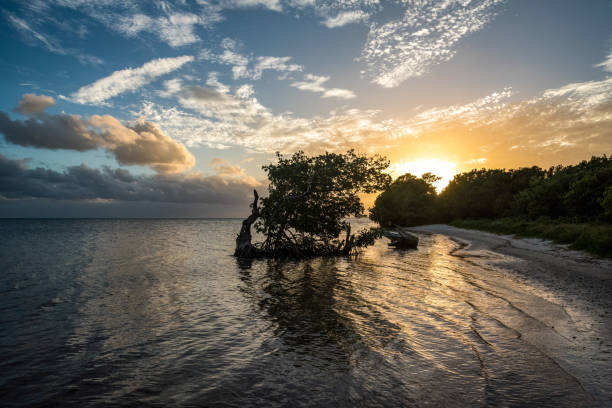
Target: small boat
400	238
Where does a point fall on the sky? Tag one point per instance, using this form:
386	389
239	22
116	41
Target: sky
170	108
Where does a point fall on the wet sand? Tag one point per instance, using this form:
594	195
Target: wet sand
567	313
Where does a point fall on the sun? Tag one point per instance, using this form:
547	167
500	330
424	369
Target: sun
441	168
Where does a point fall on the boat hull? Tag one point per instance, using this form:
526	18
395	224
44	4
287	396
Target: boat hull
401	239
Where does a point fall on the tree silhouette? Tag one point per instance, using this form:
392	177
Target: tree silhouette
309	199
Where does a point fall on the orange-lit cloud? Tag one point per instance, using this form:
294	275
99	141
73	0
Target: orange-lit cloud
560	125
140	143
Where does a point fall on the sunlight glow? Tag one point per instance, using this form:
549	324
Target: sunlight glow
440	168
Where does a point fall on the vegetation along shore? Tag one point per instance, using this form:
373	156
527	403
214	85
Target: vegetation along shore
566	204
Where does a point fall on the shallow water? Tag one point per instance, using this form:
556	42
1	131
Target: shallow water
158	313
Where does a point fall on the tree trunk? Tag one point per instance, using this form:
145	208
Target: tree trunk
244	247
348	243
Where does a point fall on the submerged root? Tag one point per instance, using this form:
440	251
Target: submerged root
285	244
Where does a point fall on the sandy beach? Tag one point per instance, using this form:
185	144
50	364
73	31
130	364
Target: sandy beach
563	300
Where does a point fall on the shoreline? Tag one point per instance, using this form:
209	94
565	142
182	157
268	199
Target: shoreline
539	250
564	305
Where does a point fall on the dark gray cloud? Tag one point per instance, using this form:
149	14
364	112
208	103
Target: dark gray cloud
18	181
142	143
31	104
204	94
49	132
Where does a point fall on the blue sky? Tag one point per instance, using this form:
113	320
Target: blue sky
106	101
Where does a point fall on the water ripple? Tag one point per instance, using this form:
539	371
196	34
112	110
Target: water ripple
157	313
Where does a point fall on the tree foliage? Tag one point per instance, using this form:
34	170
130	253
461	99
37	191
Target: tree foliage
484	193
576	193
568	192
407	202
309	199
606	203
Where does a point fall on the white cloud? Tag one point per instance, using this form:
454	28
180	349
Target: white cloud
301	3
240	71
426	33
258	130
558	126
245	91
176	29
172	22
175	22
219	104
240	63
314	83
37	38
469	113
563	125
590	93
270	4
229	56
31	34
134	24
219	120
127	80
607	64
339	93
338	13
213	80
425	36
344	18
172	86
280	64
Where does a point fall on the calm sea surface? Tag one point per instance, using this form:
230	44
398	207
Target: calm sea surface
158	313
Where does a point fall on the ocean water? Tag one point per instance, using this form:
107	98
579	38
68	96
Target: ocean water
158	313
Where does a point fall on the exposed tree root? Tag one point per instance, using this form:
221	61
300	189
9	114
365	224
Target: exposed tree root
287	245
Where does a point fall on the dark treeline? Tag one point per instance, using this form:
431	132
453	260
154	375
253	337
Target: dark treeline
580	193
485	193
408	201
